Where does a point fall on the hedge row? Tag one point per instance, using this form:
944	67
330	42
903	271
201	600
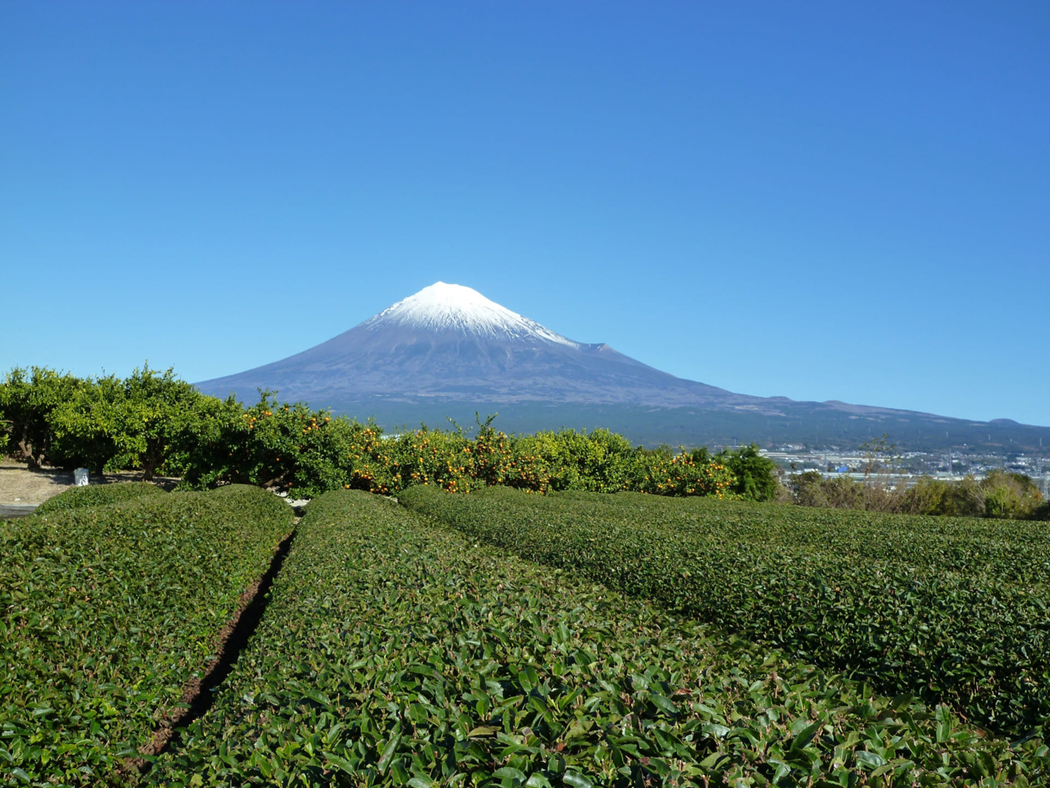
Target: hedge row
160	424
954	544
884	598
398	653
97	495
107	613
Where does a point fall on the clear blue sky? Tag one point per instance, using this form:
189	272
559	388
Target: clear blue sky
831	200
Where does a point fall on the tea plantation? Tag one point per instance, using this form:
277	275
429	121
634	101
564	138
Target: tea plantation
395	652
952	610
408	645
108	612
97	495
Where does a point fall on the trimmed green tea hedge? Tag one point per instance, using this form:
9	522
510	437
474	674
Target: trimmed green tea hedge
106	613
952	610
97	495
398	653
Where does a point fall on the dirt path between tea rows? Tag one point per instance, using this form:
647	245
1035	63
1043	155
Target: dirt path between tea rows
199	694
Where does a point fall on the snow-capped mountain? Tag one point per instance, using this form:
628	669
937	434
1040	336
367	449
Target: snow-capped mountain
449	351
442	307
449	342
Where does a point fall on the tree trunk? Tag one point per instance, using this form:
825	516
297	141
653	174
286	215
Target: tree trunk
29	456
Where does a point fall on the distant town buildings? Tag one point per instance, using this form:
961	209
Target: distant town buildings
907	467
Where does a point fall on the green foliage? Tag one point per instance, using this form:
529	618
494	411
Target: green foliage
200	449
1000	495
97	495
599	461
273	445
158	423
952	610
657	473
397	653
963	498
27	402
107	613
112	424
88	427
755	476
1012	496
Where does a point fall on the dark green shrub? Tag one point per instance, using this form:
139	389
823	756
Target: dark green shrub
139	422
274	445
28	398
108	613
97	495
755	476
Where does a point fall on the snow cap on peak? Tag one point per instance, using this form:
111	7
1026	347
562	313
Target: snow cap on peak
445	307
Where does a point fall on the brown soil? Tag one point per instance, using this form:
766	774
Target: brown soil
198	693
21	486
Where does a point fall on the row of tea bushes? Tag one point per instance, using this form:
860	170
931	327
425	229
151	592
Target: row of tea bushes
957	544
106	613
97	495
891	600
395	652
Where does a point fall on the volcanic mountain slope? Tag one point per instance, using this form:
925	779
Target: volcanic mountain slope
448	351
449	342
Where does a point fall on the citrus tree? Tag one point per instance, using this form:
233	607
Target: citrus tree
28	399
110	423
755	476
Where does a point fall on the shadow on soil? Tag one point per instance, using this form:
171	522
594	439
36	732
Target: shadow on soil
11	511
200	695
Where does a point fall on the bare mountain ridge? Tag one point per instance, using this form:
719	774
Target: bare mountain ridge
449	348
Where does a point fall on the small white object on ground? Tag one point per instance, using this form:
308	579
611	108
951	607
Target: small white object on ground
80	477
295	502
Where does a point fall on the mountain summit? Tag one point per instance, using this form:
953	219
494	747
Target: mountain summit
449	351
463	310
450	343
